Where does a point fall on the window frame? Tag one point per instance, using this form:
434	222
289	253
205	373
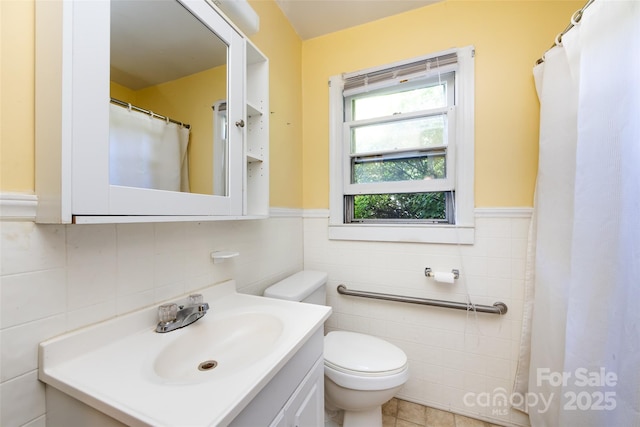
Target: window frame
461	146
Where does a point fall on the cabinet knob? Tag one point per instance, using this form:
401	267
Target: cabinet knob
240	123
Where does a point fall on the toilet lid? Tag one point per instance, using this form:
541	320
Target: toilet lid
365	354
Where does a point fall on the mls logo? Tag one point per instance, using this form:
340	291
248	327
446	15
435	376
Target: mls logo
499	411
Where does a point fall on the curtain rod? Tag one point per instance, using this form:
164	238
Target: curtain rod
151	113
575	18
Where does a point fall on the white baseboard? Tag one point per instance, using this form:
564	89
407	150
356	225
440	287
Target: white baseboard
511	212
22	207
285	212
18	207
503	212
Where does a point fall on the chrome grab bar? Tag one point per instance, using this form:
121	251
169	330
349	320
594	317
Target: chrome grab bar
496	308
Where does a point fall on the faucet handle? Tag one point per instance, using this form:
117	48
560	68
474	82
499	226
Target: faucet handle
195	299
167	312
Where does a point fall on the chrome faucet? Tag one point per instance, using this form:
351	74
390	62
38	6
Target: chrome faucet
172	316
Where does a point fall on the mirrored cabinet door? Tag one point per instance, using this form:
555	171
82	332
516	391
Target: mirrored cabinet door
163	87
126	120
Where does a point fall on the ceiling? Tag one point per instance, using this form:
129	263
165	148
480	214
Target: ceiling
313	18
153	42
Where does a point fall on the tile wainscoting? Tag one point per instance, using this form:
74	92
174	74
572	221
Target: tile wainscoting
56	278
456	358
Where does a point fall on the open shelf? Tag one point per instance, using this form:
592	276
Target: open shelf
254	109
257	133
253	158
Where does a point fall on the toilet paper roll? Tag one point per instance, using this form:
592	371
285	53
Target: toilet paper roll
443	277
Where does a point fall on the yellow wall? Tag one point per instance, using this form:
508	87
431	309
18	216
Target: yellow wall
17	74
123	93
509	36
280	43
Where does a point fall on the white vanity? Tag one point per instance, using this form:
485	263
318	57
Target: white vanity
268	368
85	59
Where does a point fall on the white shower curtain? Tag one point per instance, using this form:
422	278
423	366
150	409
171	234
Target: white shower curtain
147	152
584	366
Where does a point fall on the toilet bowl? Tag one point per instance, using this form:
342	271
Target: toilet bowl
361	371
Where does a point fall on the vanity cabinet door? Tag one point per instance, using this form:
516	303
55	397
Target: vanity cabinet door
306	406
279	421
310	412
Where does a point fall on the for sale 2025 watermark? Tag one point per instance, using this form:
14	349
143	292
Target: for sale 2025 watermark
579	390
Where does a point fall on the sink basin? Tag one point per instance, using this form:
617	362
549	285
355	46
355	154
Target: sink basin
126	370
218	346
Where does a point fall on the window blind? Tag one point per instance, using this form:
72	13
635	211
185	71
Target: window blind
367	80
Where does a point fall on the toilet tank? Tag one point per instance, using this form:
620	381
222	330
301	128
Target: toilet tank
304	286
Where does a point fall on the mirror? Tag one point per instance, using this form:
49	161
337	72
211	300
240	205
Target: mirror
168	70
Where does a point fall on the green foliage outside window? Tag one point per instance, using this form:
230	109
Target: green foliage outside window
421	206
421	167
409	206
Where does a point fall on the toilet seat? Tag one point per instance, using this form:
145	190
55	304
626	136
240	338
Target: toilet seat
359	382
363	373
363	362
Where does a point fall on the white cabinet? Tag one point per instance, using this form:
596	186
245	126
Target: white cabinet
295	396
306	406
74	84
279	421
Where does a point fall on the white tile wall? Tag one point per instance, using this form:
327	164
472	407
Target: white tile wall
58	278
450	352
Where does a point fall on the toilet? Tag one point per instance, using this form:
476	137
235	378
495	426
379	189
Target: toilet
361	372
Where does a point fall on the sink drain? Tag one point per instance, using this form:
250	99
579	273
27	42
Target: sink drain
207	365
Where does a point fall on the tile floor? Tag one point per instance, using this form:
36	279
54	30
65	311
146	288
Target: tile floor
400	413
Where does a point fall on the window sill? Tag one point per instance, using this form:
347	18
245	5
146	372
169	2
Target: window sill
448	234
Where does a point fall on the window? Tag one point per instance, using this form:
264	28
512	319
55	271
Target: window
402	151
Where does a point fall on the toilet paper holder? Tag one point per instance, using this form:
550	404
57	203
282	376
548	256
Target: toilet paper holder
430	273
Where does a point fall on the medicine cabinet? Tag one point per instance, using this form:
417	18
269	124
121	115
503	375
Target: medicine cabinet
171	64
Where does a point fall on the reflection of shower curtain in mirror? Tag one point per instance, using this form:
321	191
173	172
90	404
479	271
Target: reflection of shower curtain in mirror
147	152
